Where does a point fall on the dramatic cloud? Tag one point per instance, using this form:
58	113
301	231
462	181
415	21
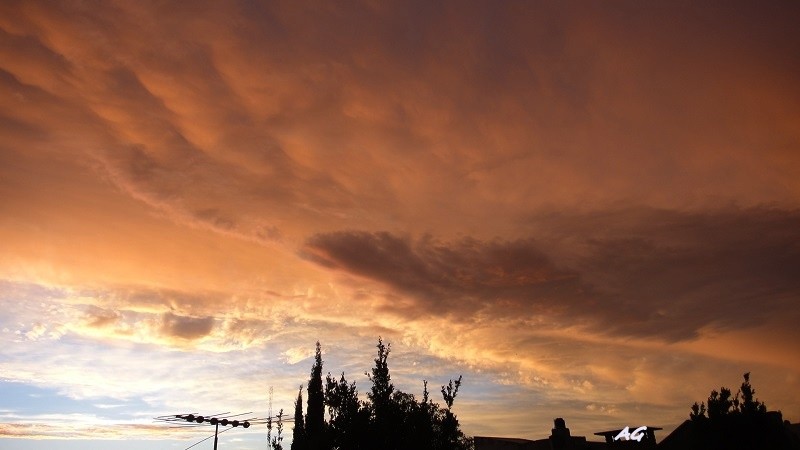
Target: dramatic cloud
465	278
648	273
588	209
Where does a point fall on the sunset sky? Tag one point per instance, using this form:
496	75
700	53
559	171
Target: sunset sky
589	209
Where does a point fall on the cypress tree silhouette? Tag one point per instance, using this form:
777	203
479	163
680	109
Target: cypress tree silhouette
382	387
315	411
380	396
299	431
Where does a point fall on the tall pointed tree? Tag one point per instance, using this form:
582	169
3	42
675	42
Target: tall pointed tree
384	426
299	431
382	388
315	411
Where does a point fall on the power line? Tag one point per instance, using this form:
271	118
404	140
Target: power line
213	435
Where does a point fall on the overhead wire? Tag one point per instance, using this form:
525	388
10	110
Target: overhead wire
200	442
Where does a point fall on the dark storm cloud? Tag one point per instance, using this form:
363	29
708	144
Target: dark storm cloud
459	278
671	273
650	273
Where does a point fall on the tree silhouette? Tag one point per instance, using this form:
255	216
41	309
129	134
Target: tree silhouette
382	388
315	411
389	419
299	432
748	404
736	422
450	433
720	403
383	413
450	391
698	411
347	416
276	442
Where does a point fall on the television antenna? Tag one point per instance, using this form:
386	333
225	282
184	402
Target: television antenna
226	419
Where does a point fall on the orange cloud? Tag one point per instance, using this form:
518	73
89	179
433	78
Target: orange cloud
595	208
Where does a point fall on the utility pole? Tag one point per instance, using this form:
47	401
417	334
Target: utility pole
216	434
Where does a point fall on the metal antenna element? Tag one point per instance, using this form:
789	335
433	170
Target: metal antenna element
270	402
225	419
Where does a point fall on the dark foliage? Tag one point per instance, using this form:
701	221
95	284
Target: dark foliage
275	442
385	411
736	422
721	404
389	419
347	417
315	411
299	431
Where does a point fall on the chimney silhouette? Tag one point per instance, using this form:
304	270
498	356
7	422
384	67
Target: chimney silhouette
560	436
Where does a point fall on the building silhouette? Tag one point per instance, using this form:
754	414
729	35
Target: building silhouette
735	432
560	439
767	431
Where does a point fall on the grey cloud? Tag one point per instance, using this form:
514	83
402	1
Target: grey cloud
138	298
458	278
101	318
186	327
34	58
269	233
664	274
215	218
10	126
674	273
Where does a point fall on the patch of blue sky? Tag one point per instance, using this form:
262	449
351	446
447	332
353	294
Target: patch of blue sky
86	444
13	290
24	304
22	399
